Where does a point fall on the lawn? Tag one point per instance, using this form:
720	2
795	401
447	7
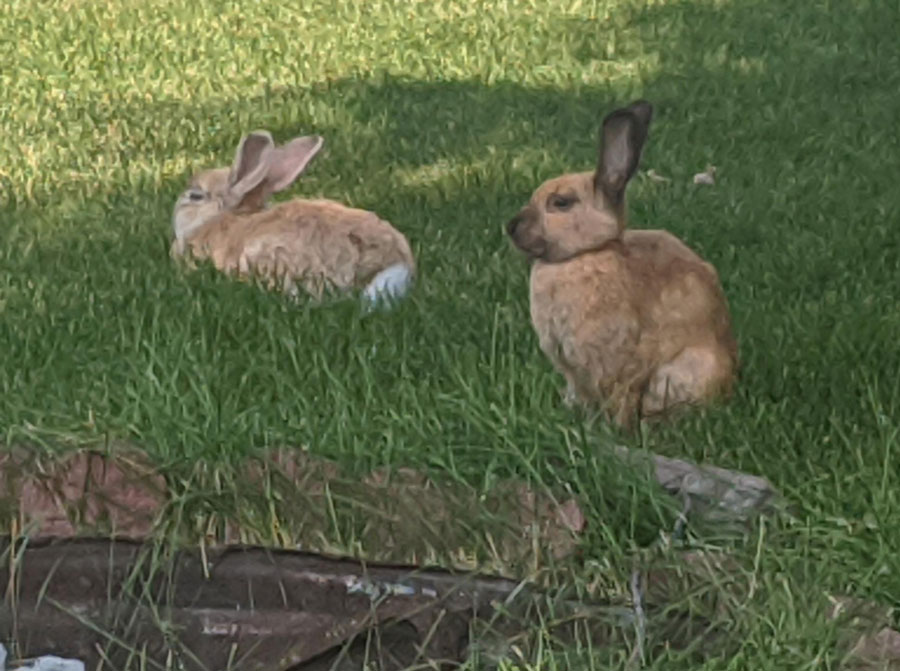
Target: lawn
442	117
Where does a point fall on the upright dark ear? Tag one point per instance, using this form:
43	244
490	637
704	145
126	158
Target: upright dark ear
289	160
622	139
251	163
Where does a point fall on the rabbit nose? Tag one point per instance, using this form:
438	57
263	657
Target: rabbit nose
513	224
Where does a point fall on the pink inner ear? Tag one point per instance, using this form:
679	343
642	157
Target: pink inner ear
250	165
251	156
289	160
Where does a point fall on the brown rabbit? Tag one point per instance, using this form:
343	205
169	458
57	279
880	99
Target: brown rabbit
312	244
634	320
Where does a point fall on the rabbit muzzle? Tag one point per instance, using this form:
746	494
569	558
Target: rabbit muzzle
525	231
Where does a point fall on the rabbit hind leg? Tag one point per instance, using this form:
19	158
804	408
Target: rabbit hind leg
696	375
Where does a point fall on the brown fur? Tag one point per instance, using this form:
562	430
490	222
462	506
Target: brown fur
314	245
634	320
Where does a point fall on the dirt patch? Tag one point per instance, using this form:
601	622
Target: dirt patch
290	499
43	495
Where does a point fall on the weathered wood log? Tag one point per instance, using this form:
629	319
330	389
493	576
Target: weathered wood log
234	608
126	604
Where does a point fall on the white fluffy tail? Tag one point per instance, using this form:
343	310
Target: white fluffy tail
389	285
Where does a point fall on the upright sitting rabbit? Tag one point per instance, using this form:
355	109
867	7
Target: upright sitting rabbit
310	244
634	319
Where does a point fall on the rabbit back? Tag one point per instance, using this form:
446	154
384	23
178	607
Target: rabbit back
615	322
312	245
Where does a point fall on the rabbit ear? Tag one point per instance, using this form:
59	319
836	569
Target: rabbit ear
622	139
251	163
289	160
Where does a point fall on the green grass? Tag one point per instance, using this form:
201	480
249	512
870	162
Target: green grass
442	117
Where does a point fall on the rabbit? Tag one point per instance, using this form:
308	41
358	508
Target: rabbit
314	245
636	321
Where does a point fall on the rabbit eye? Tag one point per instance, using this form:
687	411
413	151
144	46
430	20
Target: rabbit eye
560	202
195	195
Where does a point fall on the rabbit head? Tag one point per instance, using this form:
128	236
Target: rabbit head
259	170
582	212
